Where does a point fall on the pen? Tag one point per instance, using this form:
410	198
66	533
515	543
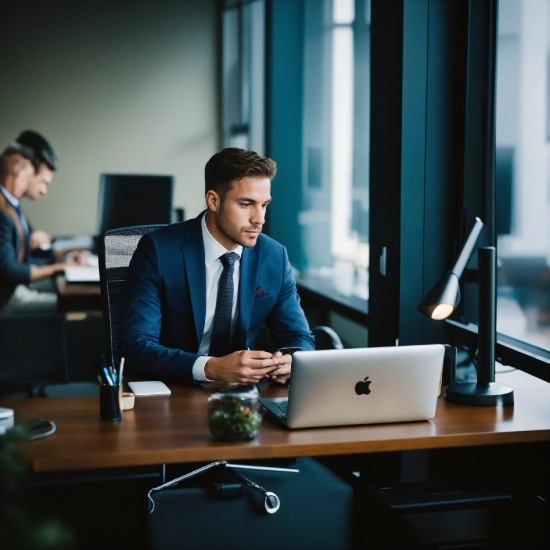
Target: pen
107	377
120	371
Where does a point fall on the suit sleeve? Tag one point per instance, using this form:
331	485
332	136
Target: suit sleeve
141	318
287	323
11	271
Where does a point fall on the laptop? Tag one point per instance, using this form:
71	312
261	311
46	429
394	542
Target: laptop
342	387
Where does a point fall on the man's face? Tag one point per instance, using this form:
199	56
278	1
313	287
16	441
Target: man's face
38	184
239	218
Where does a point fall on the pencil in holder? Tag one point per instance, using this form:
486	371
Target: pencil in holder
109	402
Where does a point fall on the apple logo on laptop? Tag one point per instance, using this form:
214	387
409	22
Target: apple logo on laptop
362	387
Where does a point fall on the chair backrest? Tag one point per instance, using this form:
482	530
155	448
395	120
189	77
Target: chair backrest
33	348
115	250
127	200
326	338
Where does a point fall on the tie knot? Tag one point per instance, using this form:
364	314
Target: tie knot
228	259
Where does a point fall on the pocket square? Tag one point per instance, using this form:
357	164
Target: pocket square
261	293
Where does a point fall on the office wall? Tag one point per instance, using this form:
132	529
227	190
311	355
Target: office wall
125	86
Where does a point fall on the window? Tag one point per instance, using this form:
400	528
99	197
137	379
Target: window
523	171
333	221
243	74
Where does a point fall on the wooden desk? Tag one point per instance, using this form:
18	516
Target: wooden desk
174	429
77	296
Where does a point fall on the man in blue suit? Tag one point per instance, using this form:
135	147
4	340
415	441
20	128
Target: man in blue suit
27	167
198	293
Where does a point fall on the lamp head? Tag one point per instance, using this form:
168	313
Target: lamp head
442	300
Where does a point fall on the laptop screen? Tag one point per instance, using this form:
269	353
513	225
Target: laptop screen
33	348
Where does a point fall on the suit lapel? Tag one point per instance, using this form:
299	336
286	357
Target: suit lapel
193	260
249	273
21	240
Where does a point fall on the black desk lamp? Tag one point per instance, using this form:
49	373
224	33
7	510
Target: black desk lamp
440	303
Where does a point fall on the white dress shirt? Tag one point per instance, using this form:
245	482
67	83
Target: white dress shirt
212	252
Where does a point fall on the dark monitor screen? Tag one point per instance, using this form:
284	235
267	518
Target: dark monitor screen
126	200
33	348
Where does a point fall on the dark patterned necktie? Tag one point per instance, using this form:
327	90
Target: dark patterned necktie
220	342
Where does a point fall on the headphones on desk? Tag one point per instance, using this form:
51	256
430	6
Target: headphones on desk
30	431
271	501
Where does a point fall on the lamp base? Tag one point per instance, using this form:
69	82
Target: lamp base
481	395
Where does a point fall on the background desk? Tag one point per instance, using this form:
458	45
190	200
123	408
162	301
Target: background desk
174	429
77	296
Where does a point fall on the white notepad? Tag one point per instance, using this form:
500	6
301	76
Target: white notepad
154	387
82	274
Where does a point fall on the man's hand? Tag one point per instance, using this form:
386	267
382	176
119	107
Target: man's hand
248	367
76	258
282	373
42	271
39	238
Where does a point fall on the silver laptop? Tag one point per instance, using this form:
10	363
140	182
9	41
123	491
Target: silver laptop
361	386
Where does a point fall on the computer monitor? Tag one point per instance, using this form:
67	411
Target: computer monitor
33	348
130	199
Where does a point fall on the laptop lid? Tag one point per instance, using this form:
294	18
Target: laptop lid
364	385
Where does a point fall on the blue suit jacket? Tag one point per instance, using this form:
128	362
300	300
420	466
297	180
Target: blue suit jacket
12	271
164	305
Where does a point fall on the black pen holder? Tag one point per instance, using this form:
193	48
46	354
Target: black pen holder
109	402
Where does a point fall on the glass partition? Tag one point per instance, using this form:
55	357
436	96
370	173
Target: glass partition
522	171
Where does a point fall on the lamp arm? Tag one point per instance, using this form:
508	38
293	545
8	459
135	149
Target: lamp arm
466	251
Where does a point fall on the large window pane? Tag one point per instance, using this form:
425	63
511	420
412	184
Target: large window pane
334	219
243	74
522	171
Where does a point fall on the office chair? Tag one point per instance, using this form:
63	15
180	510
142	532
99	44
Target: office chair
33	352
220	509
326	338
115	250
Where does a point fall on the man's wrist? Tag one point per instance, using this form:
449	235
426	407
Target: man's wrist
199	369
208	370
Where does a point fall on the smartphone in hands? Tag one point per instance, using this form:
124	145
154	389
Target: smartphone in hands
290	350
285	351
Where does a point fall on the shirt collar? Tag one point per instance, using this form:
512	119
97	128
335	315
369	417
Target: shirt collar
11	199
212	248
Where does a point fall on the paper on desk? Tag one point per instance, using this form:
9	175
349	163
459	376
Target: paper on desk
92	260
82	274
72	242
149	387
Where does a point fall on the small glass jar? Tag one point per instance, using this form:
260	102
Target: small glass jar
234	415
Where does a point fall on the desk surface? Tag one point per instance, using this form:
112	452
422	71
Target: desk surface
77	296
174	429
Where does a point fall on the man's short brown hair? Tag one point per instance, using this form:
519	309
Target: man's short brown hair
232	164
